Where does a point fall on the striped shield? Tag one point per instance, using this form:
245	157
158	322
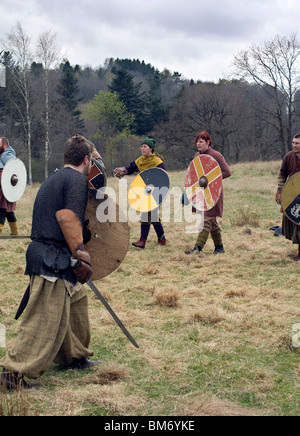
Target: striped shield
203	182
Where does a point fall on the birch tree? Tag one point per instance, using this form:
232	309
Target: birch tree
18	43
49	55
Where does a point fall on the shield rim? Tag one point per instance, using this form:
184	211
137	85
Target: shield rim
10	192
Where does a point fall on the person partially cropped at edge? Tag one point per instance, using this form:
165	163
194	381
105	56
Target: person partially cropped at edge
290	166
55	325
7	209
210	223
149	159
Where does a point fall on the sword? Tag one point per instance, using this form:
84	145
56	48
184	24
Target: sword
107	306
124	180
14	237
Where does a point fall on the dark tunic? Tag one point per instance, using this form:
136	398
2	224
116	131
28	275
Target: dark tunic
290	166
65	189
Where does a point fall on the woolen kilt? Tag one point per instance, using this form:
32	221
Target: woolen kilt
54	327
290	230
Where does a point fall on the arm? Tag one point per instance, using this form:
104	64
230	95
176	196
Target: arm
130	169
281	179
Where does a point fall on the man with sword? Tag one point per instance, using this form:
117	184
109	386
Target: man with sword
55	324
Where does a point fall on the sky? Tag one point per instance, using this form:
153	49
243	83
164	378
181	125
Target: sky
196	38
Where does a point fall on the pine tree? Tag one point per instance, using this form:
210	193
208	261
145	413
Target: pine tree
68	91
131	95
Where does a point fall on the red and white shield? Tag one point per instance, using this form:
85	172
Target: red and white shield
203	182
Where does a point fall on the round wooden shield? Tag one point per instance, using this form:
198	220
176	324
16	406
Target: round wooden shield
203	182
97	175
13	180
290	198
148	190
109	232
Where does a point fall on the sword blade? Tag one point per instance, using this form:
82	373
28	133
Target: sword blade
107	306
130	187
14	237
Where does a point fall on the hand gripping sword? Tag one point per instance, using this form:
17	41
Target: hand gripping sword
107	306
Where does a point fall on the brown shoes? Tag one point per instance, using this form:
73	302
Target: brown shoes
140	244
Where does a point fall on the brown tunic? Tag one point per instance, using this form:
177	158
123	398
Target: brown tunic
290	166
4	204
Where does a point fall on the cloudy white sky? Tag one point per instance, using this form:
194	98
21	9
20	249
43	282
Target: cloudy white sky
197	38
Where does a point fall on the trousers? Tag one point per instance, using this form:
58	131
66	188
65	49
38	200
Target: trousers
53	328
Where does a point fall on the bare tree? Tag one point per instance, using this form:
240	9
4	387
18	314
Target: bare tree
274	67
49	55
18	44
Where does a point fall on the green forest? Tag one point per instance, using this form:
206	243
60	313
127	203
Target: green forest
43	100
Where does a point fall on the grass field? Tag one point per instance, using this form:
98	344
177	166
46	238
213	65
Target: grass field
215	332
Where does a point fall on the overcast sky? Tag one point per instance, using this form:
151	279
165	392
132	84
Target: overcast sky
197	38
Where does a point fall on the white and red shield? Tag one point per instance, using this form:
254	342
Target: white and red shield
14	180
203	182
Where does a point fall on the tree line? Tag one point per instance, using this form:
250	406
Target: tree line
252	115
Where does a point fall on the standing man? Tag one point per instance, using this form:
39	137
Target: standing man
6	208
290	166
55	324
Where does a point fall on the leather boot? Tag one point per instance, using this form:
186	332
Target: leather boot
219	249
297	259
11	381
141	243
13	228
196	249
162	241
83	363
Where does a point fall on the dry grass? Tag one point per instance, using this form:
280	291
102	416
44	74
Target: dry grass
215	332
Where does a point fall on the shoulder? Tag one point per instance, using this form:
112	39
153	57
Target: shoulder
69	177
9	153
214	153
